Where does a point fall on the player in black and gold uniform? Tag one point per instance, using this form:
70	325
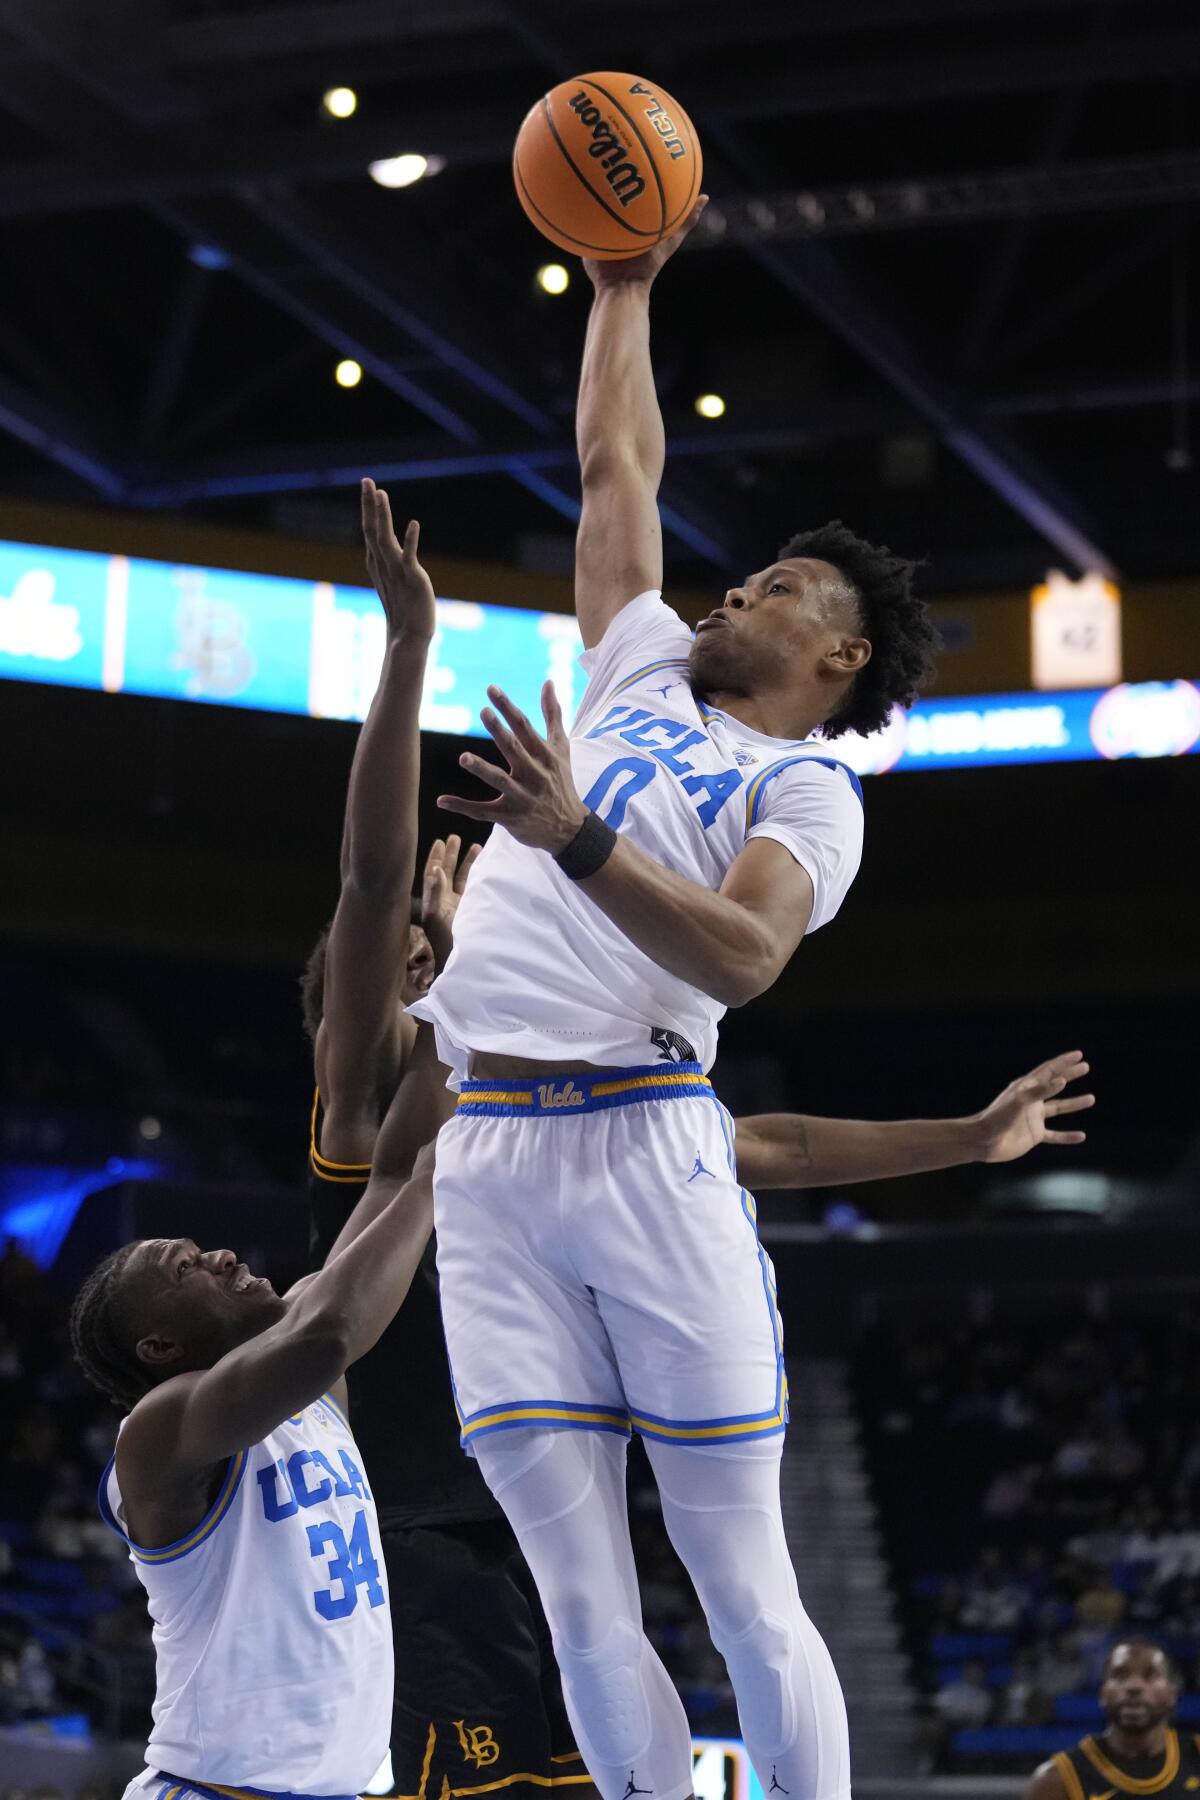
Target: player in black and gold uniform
1139	1751
478	1706
477	1702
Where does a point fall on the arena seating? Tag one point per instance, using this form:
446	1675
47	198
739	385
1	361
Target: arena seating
1038	1485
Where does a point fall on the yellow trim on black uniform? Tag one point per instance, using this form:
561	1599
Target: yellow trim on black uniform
490	1787
1132	1784
1069	1776
324	1166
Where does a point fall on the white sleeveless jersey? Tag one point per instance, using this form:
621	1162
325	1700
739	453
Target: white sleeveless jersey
272	1635
537	970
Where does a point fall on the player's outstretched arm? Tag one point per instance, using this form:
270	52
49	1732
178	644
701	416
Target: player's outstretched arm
368	941
619	435
193	1422
794	1150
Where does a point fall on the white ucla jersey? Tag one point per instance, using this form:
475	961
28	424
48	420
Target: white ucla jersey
272	1635
537	970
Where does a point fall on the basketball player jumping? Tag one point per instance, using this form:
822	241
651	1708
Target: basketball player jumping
241	1494
598	1257
478	1701
1139	1751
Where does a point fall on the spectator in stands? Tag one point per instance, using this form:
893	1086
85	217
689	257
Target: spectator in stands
966	1699
27	1689
1061	1668
1143	1609
993	1602
1023	1701
1100	1606
1180	1554
1146	1540
1181	1616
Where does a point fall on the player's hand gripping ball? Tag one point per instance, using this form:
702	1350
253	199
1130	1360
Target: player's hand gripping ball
607	165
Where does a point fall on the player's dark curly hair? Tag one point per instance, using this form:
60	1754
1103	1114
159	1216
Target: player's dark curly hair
902	635
312	979
102	1332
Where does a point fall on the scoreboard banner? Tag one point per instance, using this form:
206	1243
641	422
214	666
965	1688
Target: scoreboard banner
128	625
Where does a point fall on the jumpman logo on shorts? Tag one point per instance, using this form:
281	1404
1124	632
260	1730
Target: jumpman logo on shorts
776	1786
700	1170
634	1789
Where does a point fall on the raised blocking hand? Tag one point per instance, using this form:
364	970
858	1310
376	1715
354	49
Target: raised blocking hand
405	590
447	872
535	795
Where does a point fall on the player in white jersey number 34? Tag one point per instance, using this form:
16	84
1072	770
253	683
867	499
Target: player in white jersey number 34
600	1267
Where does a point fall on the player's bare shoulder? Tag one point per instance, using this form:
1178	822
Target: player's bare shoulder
1047	1783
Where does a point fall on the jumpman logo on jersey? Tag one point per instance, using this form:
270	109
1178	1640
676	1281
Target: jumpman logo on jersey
776	1786
700	1170
634	1789
664	691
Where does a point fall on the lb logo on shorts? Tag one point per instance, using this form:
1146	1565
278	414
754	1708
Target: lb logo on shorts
479	1744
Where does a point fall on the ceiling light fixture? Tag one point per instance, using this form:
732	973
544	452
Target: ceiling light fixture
402	171
340	102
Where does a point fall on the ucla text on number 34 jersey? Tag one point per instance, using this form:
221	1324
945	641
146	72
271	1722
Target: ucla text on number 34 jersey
272	1637
537	970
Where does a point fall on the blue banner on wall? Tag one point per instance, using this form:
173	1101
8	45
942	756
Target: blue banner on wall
129	625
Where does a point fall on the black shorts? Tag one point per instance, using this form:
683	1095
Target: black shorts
478	1704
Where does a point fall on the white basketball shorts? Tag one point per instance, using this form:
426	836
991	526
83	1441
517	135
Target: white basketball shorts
600	1265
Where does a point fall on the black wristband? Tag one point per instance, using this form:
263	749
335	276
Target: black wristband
588	850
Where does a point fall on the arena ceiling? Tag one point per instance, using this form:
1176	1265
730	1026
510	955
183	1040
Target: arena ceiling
949	294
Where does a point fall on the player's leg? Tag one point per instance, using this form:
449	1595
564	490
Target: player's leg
721	1508
469	1711
566	1759
535	1376
564	1494
687	1296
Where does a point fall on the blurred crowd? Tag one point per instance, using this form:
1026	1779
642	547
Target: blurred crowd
1040	1492
74	1634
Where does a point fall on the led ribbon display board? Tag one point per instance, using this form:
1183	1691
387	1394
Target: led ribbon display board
126	625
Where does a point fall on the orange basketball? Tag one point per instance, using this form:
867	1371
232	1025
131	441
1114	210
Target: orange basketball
607	165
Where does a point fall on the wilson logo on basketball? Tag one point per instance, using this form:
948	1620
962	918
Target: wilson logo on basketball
622	176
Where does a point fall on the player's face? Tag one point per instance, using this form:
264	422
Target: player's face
784	617
1137	1692
204	1301
419	970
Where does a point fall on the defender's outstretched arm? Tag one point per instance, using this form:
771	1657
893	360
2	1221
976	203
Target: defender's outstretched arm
619	435
793	1150
367	953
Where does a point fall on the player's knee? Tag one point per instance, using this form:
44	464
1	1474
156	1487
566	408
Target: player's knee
602	1671
759	1660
